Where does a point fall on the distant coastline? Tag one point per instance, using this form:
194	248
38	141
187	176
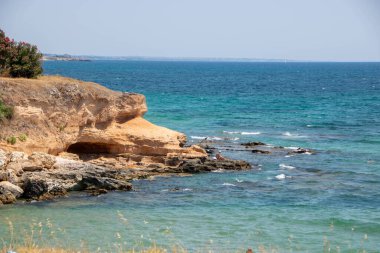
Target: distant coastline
68	57
63	57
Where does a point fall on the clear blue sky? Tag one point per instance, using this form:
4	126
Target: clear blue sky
337	30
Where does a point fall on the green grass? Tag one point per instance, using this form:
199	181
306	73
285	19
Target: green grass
6	112
23	137
12	140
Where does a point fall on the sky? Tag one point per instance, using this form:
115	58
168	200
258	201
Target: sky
307	30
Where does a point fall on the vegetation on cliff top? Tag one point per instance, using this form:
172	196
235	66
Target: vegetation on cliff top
6	112
19	59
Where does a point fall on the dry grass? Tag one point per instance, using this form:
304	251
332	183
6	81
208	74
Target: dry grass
44	237
58	250
52	250
40	237
39	250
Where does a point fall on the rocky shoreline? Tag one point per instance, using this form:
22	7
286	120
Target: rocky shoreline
41	176
67	135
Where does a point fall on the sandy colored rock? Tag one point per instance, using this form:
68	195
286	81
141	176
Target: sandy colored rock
60	114
14	189
3	159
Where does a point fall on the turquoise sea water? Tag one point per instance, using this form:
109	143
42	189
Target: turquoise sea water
331	198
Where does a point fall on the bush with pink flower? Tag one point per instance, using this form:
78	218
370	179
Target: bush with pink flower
19	59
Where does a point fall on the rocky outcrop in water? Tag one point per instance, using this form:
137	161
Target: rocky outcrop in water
68	135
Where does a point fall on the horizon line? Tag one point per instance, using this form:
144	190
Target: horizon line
203	59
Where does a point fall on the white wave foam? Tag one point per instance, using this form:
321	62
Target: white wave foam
290	135
284	166
239	180
228	184
218	170
250	133
198	137
242	133
231	132
206	137
187	189
280	177
292	148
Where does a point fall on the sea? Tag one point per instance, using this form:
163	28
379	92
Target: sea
325	201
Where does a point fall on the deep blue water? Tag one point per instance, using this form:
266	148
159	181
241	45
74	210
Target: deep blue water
331	198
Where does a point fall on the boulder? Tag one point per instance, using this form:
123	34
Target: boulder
7	197
42	159
3	159
14	189
253	144
259	151
207	165
17	156
301	151
9	192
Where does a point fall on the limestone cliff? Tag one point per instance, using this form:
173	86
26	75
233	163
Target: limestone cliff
100	136
62	114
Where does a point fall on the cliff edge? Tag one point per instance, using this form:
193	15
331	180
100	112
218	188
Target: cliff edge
62	114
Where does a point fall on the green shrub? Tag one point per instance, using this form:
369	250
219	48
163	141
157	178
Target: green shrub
12	140
62	128
23	137
19	59
6	112
25	61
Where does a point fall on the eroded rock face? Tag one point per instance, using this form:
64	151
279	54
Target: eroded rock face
100	136
59	114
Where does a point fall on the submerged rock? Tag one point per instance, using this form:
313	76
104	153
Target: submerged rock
253	144
207	165
259	151
301	151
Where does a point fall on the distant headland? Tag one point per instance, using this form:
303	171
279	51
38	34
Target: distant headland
63	57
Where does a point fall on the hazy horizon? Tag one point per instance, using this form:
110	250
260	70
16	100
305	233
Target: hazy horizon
194	58
335	30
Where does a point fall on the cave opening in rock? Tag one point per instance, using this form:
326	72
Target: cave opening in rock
88	148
